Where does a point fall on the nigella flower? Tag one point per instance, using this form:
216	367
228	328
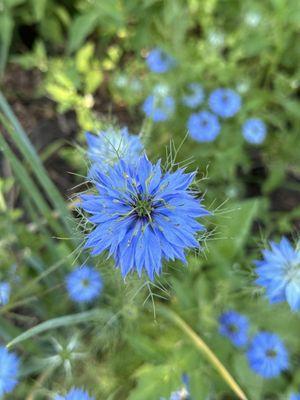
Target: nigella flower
159	107
109	146
181	394
279	273
75	394
294	396
4	293
267	355
143	216
194	96
203	126
254	131
159	61
84	284
225	102
235	327
9	370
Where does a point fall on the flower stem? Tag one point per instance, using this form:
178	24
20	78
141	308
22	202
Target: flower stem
203	347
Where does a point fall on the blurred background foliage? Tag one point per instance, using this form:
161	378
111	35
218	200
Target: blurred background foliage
72	66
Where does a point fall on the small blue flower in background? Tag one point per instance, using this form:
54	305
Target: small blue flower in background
195	95
4	293
254	131
225	102
294	396
267	355
109	146
235	327
279	273
158	107
203	126
183	393
9	370
138	209
75	394
159	61
84	284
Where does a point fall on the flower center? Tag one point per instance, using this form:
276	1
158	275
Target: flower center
143	207
85	282
232	328
271	353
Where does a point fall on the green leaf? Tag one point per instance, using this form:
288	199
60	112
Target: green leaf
233	228
83	57
38	8
80	28
6	30
93	80
155	382
13	3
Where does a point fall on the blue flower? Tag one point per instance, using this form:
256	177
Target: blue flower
254	131
9	370
142	216
75	394
235	327
225	102
181	394
203	126
4	293
159	61
109	146
267	355
84	284
195	95
294	396
159	107
279	273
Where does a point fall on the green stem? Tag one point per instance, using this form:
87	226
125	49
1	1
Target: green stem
204	349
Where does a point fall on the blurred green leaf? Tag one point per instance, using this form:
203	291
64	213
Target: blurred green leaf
80	28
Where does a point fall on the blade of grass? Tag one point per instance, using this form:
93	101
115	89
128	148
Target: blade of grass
30	187
59	322
25	147
204	349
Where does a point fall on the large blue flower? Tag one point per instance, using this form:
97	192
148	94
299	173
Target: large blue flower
84	284
279	273
9	370
254	131
294	396
194	96
267	355
142	216
159	61
108	147
75	394
4	293
235	327
159	107
225	102
203	126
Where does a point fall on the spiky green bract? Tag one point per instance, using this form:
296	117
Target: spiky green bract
143	216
